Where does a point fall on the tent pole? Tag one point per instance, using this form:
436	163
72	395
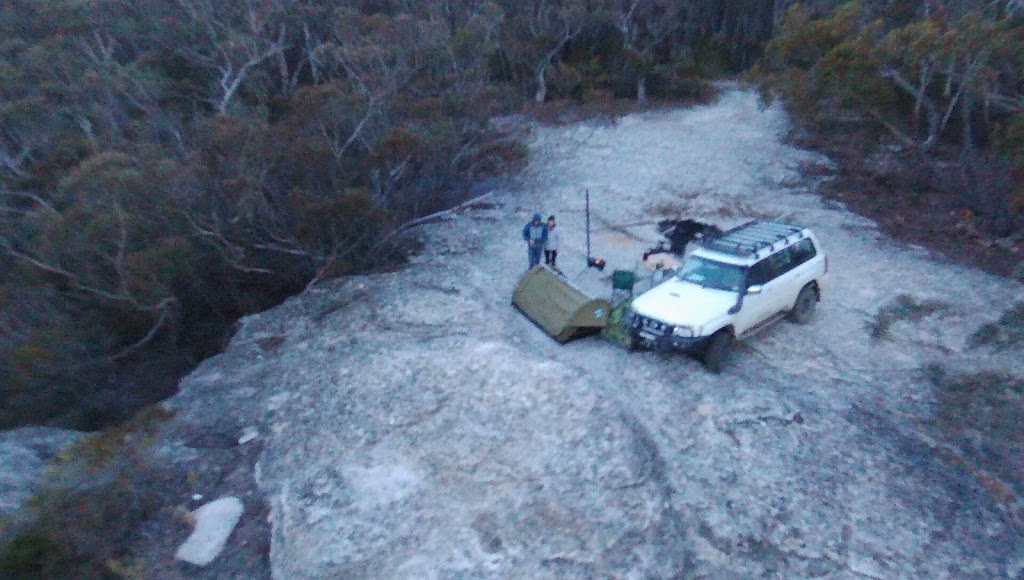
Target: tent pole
587	194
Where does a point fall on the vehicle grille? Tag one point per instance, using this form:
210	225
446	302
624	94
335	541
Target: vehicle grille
651	325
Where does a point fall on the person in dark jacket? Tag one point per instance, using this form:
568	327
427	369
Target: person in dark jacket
535	234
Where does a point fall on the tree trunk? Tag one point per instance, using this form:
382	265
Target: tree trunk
965	113
641	89
931	111
282	69
542	85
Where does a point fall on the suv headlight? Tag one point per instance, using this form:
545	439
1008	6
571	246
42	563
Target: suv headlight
683	331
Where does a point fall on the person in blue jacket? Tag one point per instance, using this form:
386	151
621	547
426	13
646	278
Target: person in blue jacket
535	234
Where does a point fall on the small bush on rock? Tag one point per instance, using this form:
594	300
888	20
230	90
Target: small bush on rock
1005	332
903	307
91	502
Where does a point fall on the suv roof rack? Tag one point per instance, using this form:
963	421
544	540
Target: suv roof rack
749	239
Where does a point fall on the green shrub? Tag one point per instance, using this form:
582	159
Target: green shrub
616	331
1005	332
1009	136
80	534
114	443
499	157
35	553
91	502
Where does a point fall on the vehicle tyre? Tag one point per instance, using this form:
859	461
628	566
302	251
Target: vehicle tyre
716	351
803	308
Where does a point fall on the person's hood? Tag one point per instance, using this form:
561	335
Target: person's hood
536	217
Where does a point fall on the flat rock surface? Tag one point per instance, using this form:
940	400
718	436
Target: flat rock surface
413	424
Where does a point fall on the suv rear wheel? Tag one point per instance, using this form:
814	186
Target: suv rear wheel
716	350
803	309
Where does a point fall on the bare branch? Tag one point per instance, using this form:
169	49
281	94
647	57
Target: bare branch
225	248
1013	104
14	162
231	80
165	311
964	81
122	246
900	135
339	151
57	270
931	112
402	228
34	198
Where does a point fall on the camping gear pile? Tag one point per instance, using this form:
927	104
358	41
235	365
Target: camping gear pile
565	311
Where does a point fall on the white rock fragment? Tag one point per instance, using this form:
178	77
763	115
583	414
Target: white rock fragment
866	566
214	523
248	435
177	452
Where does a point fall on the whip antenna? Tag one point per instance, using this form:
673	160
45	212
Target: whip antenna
591	262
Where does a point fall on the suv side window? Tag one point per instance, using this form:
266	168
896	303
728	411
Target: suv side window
781	262
760	273
802	251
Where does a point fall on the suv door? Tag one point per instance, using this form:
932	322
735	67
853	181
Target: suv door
790	277
807	265
756	307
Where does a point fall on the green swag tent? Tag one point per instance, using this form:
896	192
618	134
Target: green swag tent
561	309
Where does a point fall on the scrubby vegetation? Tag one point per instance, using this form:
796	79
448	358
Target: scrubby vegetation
922	104
91	503
1003	333
616	330
903	307
167	166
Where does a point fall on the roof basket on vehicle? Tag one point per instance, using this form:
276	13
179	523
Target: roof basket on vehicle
751	238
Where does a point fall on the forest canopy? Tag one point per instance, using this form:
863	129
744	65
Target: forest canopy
167	166
941	81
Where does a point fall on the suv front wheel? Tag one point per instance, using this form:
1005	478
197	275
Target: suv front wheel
716	350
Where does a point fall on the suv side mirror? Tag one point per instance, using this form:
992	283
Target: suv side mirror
756	289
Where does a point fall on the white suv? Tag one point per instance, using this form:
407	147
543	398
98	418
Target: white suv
734	285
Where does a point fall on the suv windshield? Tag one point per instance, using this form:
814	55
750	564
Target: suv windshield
711	274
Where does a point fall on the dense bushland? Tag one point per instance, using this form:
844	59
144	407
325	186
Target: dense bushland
935	89
167	166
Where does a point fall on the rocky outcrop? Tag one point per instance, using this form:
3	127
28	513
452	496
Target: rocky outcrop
479	458
413	424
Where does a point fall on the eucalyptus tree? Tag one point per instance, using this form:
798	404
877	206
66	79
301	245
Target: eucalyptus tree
643	25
